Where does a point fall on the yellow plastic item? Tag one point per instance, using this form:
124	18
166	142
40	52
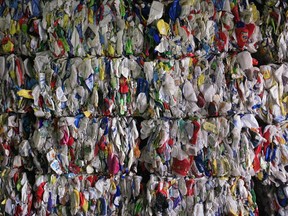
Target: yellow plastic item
191	62
90	16
210	127
190	2
285	100
165	67
282	140
77	198
232	213
8	47
233	188
249	198
260	176
283	159
87	114
101	73
113	185
13	27
201	80
255	12
111	50
65	20
85	205
48	19
53	179
163	27
214	167
173	181
266	74
12	74
25	93
3	173
282	108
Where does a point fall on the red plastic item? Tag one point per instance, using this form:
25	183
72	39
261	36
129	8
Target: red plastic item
181	167
124	88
